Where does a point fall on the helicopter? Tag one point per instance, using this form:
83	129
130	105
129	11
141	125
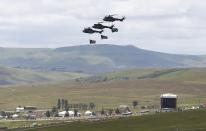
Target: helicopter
91	31
110	18
101	26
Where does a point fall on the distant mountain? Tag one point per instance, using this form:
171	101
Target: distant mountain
94	59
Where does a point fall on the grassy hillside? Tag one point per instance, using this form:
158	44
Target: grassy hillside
190	86
94	59
181	121
12	76
190	75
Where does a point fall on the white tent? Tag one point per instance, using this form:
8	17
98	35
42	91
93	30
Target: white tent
71	113
88	113
15	116
19	109
62	114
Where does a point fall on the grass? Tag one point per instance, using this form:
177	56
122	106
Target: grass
23	124
181	74
104	94
191	120
188	84
12	76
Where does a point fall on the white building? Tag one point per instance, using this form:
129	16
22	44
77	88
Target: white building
62	114
88	113
70	113
20	109
15	116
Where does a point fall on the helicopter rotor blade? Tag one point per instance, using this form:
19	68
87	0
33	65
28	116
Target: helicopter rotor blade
113	14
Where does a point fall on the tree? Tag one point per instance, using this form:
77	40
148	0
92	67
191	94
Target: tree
66	105
3	113
54	111
63	103
93	113
59	104
84	106
105	79
91	105
48	114
67	114
102	111
67	109
143	107
110	111
75	112
9	115
135	103
117	111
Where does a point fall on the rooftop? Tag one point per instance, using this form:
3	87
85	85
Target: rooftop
168	95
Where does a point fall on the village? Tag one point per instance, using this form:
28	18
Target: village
64	112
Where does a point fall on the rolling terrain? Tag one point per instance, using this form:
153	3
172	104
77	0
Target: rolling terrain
130	77
12	76
192	75
94	59
118	88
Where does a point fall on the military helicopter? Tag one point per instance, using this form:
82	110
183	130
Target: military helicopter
101	26
91	31
110	18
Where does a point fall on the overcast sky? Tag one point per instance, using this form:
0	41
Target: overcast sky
173	26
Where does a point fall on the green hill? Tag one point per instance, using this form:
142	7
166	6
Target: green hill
12	76
178	121
193	75
94	59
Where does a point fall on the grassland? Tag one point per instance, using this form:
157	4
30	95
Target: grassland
179	121
22	124
196	75
13	76
188	84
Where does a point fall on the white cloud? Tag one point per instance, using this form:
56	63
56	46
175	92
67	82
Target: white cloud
161	25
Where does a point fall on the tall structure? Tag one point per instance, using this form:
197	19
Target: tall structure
168	101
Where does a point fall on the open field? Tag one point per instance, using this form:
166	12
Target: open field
17	124
188	84
193	75
14	76
191	120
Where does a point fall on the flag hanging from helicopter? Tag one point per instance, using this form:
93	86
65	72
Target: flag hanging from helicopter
92	42
104	37
99	27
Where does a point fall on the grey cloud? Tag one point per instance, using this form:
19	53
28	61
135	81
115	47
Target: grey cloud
54	23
